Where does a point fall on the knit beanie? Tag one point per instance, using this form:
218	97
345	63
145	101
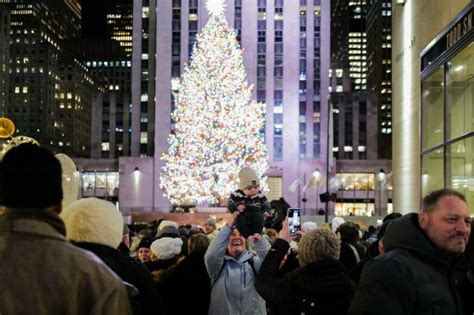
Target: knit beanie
30	177
247	177
166	247
146	243
318	244
211	222
93	220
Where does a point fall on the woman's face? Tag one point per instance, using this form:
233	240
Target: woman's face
237	244
144	254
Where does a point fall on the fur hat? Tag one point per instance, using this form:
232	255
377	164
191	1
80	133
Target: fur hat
93	220
247	177
166	247
318	244
30	177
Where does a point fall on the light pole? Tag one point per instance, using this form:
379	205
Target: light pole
317	178
381	176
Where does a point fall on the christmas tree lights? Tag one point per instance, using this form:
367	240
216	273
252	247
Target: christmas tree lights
218	127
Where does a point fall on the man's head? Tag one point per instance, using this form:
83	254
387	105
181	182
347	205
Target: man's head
446	220
30	177
209	226
237	244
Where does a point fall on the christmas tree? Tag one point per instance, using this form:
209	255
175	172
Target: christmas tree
218	126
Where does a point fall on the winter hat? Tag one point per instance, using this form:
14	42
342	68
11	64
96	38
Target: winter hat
30	177
93	220
247	177
318	244
336	222
309	226
211	222
164	223
126	229
166	247
168	231
145	243
145	233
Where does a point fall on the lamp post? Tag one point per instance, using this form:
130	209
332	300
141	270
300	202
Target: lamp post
317	178
381	176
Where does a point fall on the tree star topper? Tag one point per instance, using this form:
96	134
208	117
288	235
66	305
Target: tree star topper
215	7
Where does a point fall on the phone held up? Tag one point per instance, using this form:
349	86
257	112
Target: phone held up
294	220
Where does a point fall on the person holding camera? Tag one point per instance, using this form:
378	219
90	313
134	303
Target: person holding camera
319	286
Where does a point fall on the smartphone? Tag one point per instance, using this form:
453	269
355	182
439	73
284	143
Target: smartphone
294	220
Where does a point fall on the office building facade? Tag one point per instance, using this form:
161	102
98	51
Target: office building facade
432	87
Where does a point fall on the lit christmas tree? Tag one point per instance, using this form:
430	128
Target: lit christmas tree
218	127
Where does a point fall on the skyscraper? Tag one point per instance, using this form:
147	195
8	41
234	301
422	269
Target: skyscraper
106	49
49	91
4	56
379	70
361	153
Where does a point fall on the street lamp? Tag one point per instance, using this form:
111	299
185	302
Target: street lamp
317	178
381	176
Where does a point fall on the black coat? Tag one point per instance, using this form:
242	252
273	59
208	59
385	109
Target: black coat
348	257
411	277
192	277
132	272
322	287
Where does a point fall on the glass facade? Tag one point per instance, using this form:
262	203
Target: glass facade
447	132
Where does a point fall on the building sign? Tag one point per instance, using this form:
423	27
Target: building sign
460	29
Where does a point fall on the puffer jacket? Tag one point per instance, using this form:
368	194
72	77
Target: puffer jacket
233	290
412	277
42	273
321	287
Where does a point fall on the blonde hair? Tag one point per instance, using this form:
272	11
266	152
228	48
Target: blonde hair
317	245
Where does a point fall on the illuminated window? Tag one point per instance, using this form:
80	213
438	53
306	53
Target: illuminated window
105	146
145	12
143	137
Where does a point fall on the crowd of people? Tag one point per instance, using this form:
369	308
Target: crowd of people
83	259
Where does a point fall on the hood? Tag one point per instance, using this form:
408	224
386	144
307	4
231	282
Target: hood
405	233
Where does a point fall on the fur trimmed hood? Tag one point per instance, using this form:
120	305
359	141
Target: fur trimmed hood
93	220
